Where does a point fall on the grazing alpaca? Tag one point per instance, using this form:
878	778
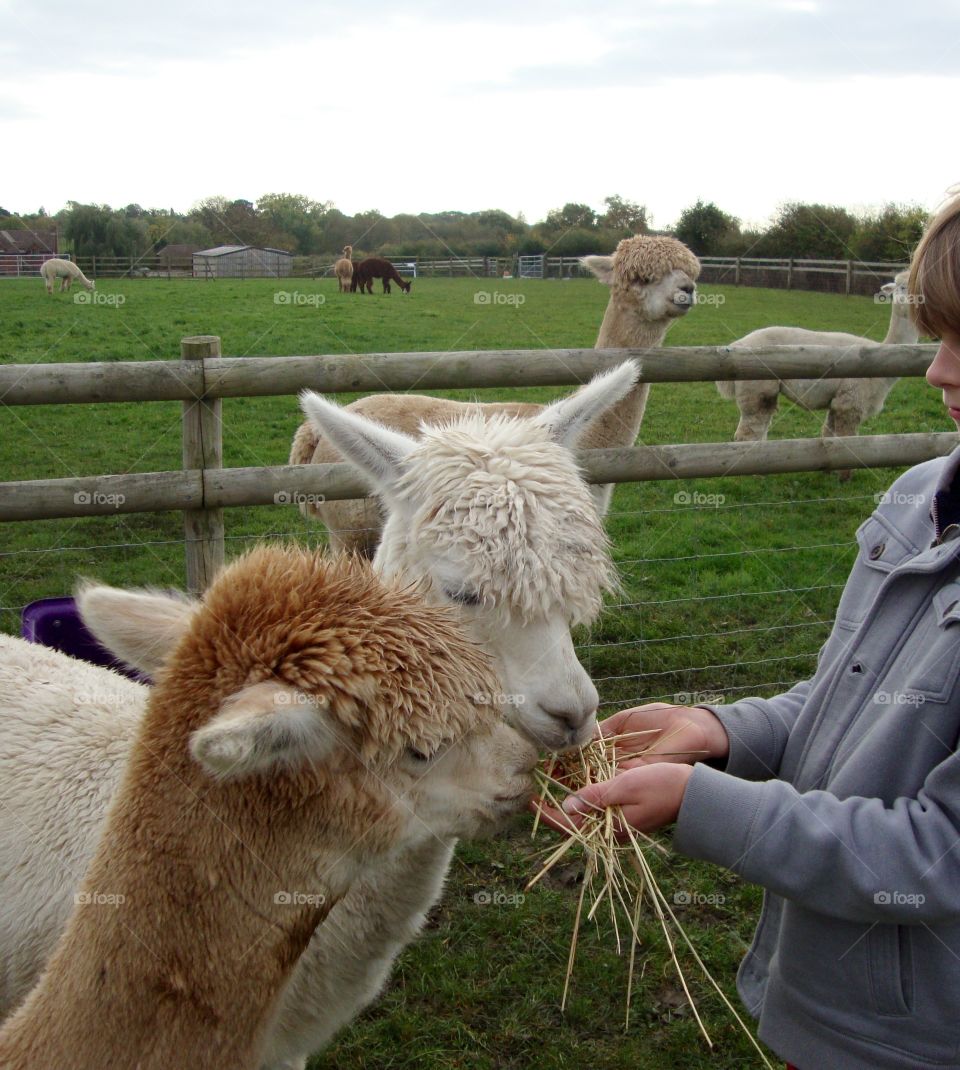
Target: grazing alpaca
65	271
652	283
494	519
310	720
375	267
343	269
848	402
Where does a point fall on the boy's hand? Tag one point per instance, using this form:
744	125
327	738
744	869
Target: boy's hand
687	734
648	796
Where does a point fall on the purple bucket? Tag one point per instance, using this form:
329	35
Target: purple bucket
55	622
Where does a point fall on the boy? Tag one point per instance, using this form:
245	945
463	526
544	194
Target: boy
842	796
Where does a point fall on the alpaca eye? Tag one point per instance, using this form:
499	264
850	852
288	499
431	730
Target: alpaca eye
464	598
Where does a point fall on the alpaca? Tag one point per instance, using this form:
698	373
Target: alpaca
493	518
652	284
65	271
375	267
343	269
848	402
310	721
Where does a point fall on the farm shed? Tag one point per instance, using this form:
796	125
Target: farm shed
241	262
23	251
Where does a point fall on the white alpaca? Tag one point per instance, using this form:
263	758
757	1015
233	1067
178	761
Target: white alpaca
310	721
848	402
494	518
652	284
343	269
66	272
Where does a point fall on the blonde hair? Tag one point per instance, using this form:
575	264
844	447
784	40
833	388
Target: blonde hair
934	281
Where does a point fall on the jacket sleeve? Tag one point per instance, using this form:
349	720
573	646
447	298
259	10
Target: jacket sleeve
758	729
852	858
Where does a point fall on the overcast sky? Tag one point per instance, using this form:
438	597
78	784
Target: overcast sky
411	107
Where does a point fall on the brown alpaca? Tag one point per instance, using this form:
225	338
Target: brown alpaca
343	269
283	754
375	267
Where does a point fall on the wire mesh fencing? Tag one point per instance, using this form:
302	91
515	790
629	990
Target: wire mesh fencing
722	594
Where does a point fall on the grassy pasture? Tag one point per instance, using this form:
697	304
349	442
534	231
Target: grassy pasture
728	589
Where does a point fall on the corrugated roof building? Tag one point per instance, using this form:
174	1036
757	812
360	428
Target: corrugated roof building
241	262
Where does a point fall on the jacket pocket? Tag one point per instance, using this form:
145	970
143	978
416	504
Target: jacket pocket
890	966
934	673
881	549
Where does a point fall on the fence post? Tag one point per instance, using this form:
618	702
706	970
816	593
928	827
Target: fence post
849	276
736	273
202	449
790	273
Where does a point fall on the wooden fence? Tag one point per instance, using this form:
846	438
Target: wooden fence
202	377
830	276
862	277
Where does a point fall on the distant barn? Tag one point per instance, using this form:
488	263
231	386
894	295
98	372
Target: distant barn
23	251
241	262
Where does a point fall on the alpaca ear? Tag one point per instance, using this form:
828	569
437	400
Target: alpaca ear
376	450
263	728
601	266
569	418
139	627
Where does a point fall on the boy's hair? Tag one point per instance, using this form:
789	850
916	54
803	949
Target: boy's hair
935	273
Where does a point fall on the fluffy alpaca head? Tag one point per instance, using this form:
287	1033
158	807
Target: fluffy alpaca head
897	294
656	275
348	251
495	515
298	665
504	508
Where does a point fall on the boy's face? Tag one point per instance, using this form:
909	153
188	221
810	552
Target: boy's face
944	373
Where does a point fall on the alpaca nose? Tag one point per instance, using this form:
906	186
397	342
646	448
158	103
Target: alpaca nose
573	720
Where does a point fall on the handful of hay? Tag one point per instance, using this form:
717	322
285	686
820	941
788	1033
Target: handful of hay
618	876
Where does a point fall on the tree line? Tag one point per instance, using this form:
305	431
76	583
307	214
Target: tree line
307	227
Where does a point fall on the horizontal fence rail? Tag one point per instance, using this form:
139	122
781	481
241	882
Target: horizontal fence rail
142	492
224	377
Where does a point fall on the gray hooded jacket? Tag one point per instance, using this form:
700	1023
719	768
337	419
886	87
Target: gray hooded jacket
841	798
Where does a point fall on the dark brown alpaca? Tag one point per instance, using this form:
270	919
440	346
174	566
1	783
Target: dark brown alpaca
375	267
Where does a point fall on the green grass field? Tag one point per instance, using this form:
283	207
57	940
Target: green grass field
729	589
